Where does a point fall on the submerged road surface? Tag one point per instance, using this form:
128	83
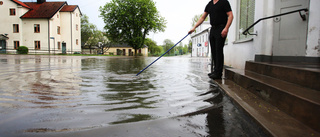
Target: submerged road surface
101	96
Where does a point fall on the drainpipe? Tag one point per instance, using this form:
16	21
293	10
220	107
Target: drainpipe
49	36
71	32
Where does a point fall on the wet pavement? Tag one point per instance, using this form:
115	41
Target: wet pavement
101	96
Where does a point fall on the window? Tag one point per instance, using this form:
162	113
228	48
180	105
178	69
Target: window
12	12
246	18
77	41
36	28
37	45
15	28
58	30
77	27
16	44
59	45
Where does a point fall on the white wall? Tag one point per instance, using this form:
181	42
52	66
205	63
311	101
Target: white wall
201	38
236	53
76	33
54	23
71	20
313	40
7	21
29	36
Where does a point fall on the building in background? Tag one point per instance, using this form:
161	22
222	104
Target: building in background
200	41
43	27
126	50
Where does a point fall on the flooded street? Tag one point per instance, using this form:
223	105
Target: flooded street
101	96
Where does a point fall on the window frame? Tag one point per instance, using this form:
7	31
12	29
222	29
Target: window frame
59	45
244	24
16	44
15	28
58	30
12	12
36	28
37	45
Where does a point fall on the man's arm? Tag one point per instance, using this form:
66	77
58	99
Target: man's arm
225	31
200	21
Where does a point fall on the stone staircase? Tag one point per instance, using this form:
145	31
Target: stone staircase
283	97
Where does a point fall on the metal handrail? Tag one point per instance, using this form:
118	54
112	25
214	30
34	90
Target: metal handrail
302	16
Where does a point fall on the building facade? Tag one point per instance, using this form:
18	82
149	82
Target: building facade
43	27
292	37
200	41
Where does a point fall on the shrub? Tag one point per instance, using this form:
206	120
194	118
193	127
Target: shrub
23	50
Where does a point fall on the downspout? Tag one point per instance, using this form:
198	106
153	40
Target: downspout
71	32
49	35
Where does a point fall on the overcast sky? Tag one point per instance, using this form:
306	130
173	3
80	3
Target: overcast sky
178	14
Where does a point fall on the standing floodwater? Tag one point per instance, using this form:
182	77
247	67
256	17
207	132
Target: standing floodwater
65	95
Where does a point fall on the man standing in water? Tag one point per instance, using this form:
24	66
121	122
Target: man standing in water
221	17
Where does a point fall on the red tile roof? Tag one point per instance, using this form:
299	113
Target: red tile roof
43	10
21	3
69	8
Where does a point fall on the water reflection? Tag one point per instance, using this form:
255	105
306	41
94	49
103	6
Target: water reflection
65	93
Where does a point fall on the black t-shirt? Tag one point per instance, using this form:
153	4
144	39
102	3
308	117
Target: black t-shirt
218	12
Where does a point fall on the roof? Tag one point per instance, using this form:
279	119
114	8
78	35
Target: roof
69	8
43	10
21	3
3	37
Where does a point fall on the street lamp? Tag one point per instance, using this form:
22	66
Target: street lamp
54	46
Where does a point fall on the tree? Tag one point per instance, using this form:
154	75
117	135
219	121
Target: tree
167	44
87	29
88	33
130	21
91	36
152	46
196	18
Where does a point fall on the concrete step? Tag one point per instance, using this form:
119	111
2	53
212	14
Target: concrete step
299	102
274	121
304	74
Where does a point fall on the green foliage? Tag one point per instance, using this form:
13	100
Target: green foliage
154	50
91	36
130	21
87	29
196	18
167	44
23	50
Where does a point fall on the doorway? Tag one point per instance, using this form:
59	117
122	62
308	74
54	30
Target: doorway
290	31
3	46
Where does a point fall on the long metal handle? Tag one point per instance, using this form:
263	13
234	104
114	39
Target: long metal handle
162	54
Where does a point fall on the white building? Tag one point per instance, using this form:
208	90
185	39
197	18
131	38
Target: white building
44	27
200	41
284	38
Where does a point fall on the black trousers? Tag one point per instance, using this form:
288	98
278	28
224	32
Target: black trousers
217	44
